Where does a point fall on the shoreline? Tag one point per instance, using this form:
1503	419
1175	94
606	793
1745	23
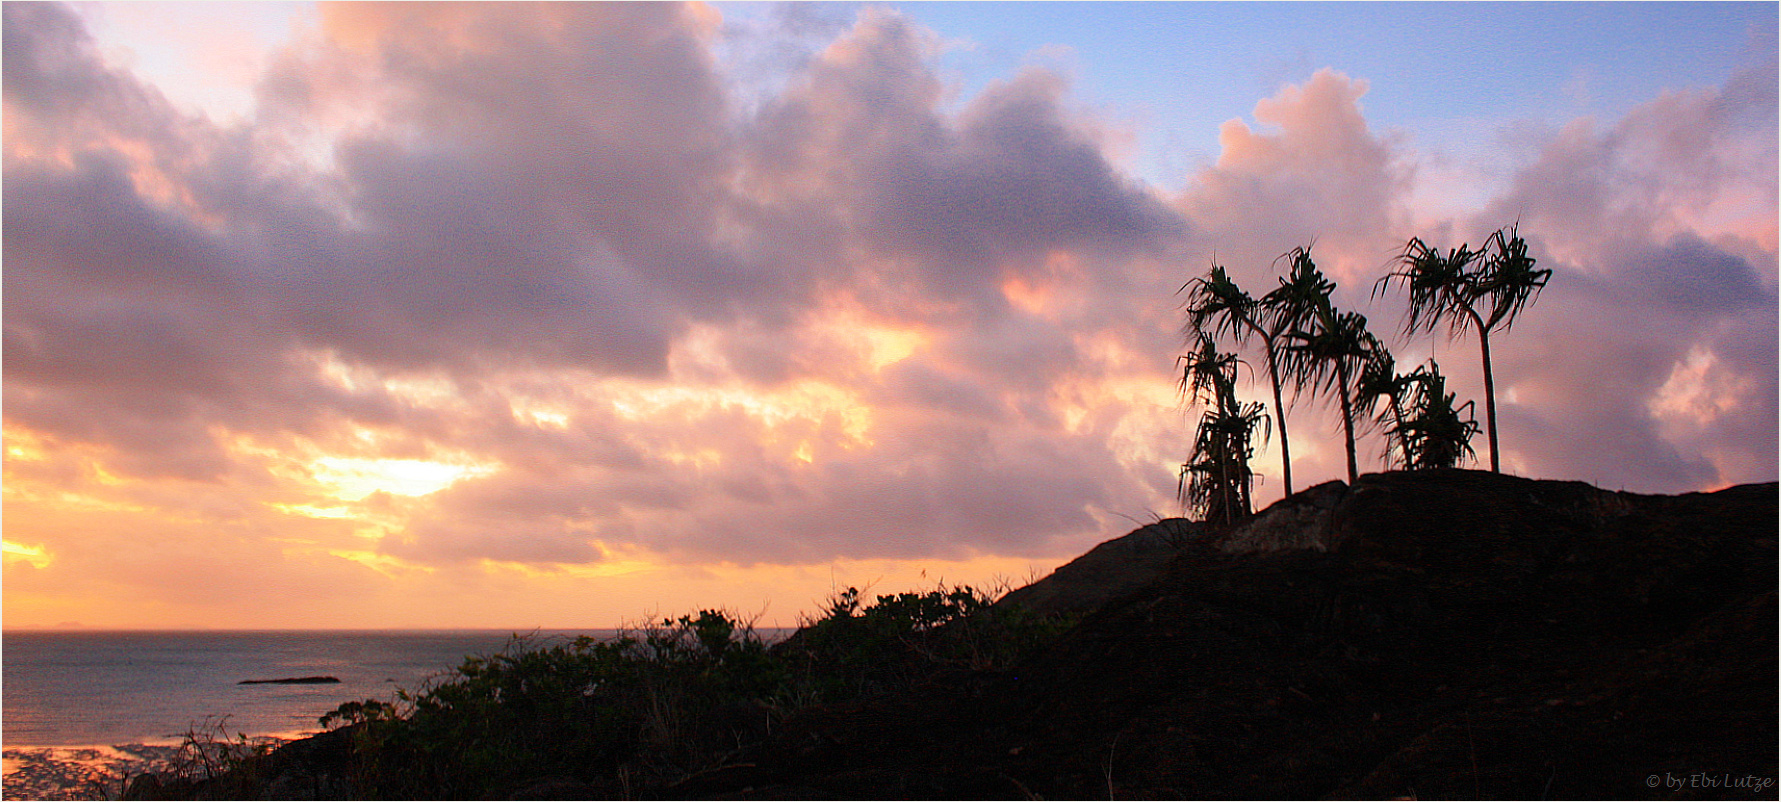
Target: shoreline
78	772
91	771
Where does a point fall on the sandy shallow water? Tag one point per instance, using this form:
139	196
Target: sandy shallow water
78	772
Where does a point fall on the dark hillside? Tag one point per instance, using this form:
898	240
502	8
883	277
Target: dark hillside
1423	635
1466	635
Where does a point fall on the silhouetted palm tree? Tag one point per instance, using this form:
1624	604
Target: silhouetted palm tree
1500	279
1216	482
1287	308
1328	354
1437	434
1217	303
1291	305
1380	381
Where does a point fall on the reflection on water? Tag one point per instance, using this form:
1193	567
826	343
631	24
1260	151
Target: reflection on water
148	689
152	687
78	772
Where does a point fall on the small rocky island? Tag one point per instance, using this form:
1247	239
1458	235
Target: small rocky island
1440	634
292	681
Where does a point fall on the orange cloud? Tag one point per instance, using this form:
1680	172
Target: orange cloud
511	315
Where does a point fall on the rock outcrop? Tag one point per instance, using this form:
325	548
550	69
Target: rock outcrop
1114	568
1303	520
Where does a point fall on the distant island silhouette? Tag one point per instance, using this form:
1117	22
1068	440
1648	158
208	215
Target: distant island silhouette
292	681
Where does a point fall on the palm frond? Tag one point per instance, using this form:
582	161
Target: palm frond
1509	281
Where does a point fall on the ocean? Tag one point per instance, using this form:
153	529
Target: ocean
80	708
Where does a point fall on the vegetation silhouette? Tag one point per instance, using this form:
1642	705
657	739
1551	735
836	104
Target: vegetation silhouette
1216	305
1500	278
1308	342
1216	482
1328	356
1436	434
656	707
1379	382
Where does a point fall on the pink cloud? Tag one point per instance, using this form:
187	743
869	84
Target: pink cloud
845	319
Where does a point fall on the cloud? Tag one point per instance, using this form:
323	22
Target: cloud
1314	171
557	229
1661	232
484	294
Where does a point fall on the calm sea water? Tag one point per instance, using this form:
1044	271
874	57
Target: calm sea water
110	688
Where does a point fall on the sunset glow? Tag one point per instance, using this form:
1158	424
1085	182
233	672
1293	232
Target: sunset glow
560	315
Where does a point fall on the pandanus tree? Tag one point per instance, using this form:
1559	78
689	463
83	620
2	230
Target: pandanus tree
1484	289
1435	433
1328	354
1379	382
1216	481
1292	305
1217	306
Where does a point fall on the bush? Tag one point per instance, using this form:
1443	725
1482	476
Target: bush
662	702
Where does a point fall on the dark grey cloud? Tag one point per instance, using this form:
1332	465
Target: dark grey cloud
1685	276
960	201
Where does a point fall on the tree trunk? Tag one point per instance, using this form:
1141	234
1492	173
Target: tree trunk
1347	422
1490	402
1397	414
1490	390
1279	410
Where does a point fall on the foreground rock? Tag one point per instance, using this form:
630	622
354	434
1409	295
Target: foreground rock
1113	569
1431	635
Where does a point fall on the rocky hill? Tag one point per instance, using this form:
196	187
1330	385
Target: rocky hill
1419	635
1113	569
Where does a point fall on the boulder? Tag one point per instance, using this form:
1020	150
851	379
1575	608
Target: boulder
1300	521
1115	568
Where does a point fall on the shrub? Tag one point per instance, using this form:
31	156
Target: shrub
662	702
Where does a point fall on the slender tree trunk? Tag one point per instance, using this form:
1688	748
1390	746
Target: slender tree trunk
1347	422
1397	414
1490	390
1490	401
1279	411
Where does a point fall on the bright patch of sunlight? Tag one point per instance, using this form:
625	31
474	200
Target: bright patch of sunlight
37	556
24	445
873	341
603	568
804	402
702	459
886	345
85	501
105	477
538	414
423	391
1029	297
1695	391
353	478
381	563
312	511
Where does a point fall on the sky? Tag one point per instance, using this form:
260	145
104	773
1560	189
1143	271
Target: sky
561	315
